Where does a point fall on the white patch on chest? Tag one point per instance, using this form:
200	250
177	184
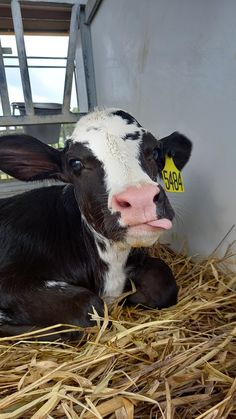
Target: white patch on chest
116	257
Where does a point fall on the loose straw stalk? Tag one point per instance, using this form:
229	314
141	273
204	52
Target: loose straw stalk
138	363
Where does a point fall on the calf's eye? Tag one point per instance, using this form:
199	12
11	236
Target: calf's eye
156	154
76	165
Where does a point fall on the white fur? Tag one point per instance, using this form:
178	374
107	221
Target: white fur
138	238
115	256
102	133
56	284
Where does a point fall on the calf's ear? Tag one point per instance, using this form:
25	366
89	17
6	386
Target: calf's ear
26	158
177	146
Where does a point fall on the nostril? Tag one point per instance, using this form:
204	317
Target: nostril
156	197
123	204
160	195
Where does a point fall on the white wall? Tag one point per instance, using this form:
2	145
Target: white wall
172	63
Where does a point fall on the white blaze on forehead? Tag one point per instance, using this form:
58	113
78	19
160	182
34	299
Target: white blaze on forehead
103	134
104	120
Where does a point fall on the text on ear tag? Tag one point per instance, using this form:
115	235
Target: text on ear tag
172	177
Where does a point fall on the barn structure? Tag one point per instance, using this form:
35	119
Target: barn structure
171	64
70	19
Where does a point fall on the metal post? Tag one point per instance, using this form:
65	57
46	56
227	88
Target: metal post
3	87
20	43
80	82
70	65
91	9
88	60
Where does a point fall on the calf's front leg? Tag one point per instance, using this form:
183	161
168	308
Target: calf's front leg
155	284
47	306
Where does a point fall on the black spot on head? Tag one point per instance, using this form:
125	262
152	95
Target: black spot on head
80	151
127	117
132	136
68	143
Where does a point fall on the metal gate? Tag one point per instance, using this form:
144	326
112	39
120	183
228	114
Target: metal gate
81	65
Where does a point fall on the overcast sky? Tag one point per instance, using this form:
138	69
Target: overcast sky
46	84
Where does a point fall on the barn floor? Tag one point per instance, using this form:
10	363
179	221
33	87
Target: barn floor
175	363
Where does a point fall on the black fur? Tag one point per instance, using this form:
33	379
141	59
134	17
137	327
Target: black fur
44	238
127	117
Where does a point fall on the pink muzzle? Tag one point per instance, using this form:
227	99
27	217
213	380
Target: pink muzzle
137	206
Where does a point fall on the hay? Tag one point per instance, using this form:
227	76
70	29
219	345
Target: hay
174	363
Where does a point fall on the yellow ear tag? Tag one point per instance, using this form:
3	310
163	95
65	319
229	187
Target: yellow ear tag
172	177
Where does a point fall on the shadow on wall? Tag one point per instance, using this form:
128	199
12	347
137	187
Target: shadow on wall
193	218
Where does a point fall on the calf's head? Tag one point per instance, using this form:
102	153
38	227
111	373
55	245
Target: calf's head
114	165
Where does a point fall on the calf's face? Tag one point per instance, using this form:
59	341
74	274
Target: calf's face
114	165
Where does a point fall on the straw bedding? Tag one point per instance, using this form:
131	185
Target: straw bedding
174	363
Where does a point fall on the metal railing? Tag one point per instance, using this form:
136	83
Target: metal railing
15	57
78	62
81	17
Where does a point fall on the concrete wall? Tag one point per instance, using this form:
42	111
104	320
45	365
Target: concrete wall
172	63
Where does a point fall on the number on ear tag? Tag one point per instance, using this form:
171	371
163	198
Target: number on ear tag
172	177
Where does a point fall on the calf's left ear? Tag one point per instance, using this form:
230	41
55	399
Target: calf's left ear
26	158
175	145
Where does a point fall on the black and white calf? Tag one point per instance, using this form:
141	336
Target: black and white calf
65	248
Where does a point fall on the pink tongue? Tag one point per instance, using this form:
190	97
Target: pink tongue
162	223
